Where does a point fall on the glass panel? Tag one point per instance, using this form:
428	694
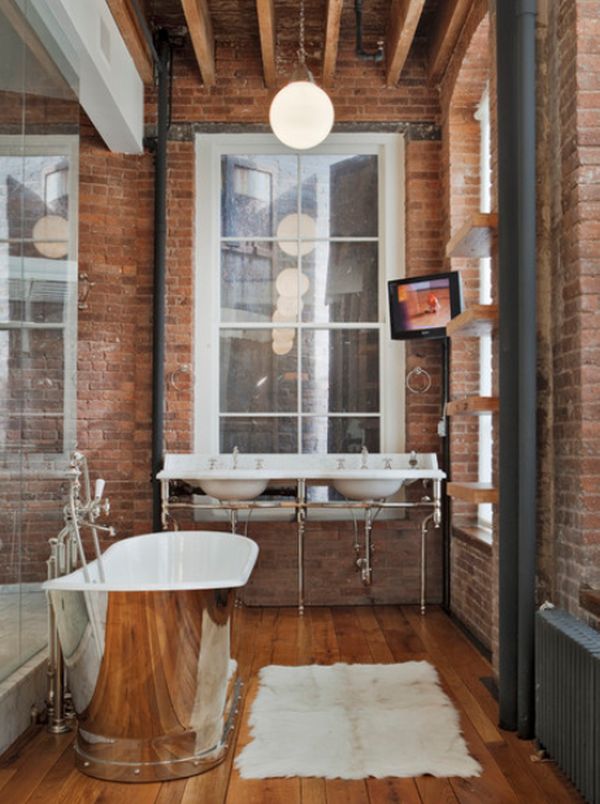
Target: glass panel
34	381
258	370
340	433
340	371
259	435
340	193
342	283
253	281
257	192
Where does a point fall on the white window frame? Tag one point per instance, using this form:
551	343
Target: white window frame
485	434
209	150
16	145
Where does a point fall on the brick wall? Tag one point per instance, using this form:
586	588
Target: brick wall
569	314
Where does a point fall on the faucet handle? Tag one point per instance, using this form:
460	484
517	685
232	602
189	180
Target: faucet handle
99	488
212	463
413	460
260	463
387	463
341	463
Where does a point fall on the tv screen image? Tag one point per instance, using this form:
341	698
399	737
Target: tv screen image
421	306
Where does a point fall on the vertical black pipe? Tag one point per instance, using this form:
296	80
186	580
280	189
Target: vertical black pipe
508	474
160	259
526	177
515	25
446	534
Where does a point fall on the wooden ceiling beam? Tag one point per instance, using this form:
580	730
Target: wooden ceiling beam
332	37
197	16
450	21
403	21
265	10
133	36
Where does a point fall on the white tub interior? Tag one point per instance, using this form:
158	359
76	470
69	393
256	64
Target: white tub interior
167	561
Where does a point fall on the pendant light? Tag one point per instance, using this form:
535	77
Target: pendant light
301	114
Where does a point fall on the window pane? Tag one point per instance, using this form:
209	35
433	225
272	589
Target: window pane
31	372
252	276
258	370
339	434
340	371
340	193
342	283
268	434
257	192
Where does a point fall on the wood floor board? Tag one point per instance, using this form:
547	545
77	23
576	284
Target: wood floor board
42	771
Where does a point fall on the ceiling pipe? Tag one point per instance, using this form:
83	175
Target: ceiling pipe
376	56
515	29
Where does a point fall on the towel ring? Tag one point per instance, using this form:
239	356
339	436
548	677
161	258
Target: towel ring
184	368
424	383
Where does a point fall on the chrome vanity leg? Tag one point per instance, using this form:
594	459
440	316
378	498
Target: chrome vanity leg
301	519
164	504
424	526
367	569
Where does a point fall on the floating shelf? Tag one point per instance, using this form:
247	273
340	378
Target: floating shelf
473	492
480	319
473	406
476	238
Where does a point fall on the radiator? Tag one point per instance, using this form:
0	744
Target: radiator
567	675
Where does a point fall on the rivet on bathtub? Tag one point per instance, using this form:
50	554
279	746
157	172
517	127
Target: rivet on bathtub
86	764
136	771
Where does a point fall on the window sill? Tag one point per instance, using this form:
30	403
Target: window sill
478	537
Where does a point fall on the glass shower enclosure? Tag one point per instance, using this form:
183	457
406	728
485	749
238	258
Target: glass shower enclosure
39	138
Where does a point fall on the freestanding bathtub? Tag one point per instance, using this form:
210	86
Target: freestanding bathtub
147	653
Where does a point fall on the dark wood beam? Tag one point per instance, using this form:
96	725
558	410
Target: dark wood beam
332	37
404	18
265	10
133	37
452	16
197	15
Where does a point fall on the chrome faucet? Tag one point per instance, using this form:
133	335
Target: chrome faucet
364	457
413	461
235	453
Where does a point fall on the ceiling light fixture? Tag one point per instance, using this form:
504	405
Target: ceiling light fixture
301	114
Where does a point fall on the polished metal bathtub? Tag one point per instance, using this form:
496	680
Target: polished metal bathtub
147	653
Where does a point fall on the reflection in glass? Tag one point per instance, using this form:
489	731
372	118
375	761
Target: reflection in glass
342	283
258	435
340	433
340	371
341	194
256	193
253	377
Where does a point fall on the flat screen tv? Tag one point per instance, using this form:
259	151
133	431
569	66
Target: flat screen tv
421	306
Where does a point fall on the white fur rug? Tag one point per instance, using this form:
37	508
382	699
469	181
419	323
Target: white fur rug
351	721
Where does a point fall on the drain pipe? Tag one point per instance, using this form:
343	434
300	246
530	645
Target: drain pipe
515	21
160	265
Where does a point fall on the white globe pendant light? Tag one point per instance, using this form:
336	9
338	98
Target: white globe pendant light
301	114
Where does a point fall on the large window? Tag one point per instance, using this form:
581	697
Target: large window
294	250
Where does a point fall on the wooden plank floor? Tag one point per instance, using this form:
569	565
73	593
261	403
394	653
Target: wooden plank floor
41	769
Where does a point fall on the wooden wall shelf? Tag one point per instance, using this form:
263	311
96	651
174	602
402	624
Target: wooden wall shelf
473	492
473	406
476	238
480	319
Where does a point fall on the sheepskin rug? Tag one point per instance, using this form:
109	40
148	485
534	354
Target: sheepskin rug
351	721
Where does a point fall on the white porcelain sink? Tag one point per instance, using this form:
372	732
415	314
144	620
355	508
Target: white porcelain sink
366	489
232	489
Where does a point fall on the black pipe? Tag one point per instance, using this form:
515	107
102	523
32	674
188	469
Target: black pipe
160	267
526	172
508	473
377	56
515	21
446	518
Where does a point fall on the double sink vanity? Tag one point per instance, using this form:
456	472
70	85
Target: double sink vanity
366	482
